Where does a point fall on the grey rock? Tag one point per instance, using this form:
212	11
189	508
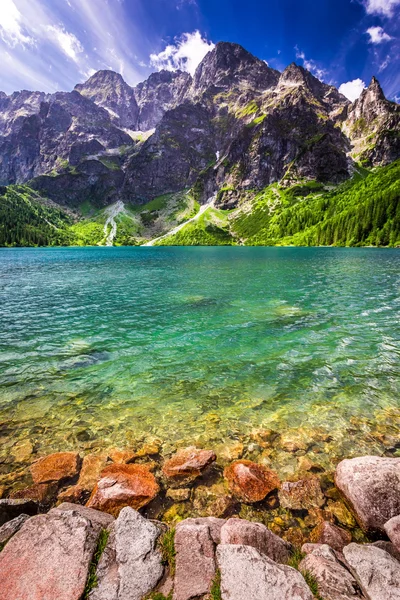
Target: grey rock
245	573
388	547
131	565
104	520
377	573
9	509
371	485
11	527
245	533
392	528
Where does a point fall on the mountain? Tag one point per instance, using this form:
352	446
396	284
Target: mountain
231	135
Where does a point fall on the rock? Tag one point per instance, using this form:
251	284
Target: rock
335	582
48	558
301	495
22	451
213	501
188	464
92	466
245	573
377	573
335	537
131	565
102	519
123	485
309	548
55	467
342	514
305	464
388	547
11	527
75	494
392	528
149	449
249	481
43	493
246	533
371	485
229	452
195	542
121	456
179	495
9	509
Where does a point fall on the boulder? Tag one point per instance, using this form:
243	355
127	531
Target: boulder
388	547
102	519
9	509
301	495
92	466
195	543
245	573
335	582
371	485
48	558
11	527
121	456
249	481
377	573
55	467
43	493
392	528
131	565
188	464
123	485
245	533
326	533
75	494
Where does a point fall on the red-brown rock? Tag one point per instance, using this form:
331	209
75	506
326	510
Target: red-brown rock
92	466
56	467
188	463
249	481
326	533
43	493
123	485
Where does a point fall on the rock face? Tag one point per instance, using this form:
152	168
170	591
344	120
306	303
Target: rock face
249	481
303	494
131	565
245	573
48	558
123	485
188	464
377	573
245	533
372	487
392	528
56	467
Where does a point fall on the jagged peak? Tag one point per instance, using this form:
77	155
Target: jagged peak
163	76
102	77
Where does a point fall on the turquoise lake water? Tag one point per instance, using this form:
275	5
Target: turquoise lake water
112	346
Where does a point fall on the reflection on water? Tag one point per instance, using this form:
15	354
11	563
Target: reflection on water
109	346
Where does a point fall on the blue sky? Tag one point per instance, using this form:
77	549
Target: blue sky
51	45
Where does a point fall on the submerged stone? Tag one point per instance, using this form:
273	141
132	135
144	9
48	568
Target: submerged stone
249	481
301	495
188	463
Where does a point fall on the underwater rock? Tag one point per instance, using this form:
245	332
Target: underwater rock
55	467
371	485
214	501
22	451
249	481
187	464
301	495
179	495
92	466
123	485
341	514
121	456
247	533
335	537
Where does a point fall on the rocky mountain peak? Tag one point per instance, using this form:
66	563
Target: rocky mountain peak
230	65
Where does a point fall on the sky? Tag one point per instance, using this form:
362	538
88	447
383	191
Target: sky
50	45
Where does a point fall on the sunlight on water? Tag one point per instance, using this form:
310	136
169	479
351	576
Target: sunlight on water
109	346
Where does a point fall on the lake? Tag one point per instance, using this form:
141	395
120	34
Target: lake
112	347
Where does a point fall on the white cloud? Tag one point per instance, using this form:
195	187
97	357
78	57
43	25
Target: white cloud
381	7
68	42
12	30
384	64
377	35
311	65
186	54
352	89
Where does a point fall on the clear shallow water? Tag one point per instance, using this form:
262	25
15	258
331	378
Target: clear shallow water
111	346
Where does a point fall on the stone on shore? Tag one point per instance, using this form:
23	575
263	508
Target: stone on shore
249	481
43	493
245	573
326	533
388	547
102	519
195	543
392	528
55	467
301	495
371	485
335	582
246	533
131	565
123	485
11	527
188	464
377	573
48	558
9	509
